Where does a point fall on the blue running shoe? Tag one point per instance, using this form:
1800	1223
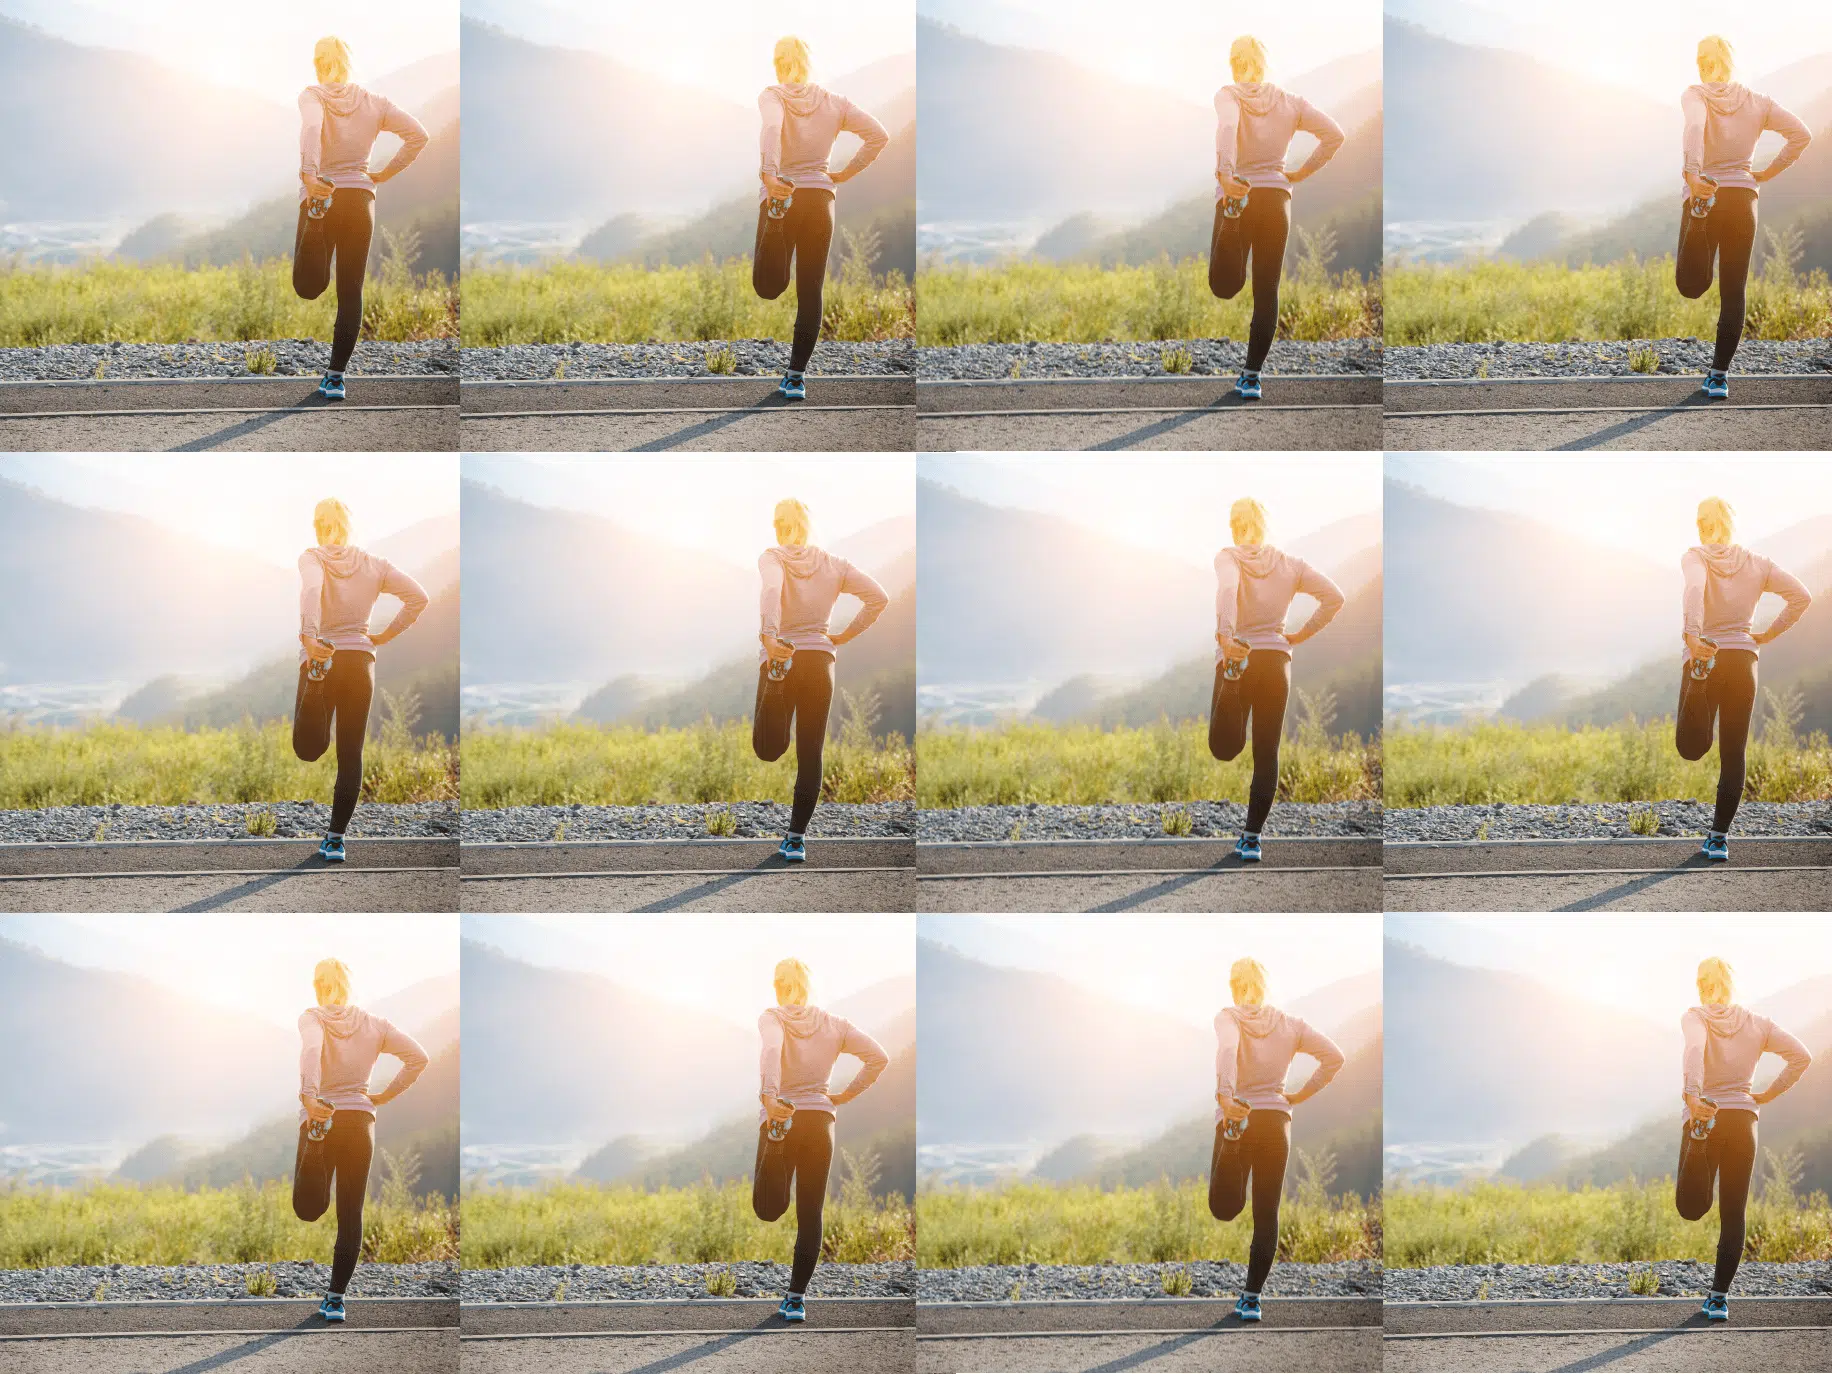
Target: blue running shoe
794	387
1248	1307
1716	1308
1247	849
332	387
793	1309
1716	847
794	849
332	850
1717	385
332	1308
1248	387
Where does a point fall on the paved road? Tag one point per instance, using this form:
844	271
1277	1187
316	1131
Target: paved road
1785	412
272	1336
689	875
1169	1334
1148	413
716	414
730	1336
263	414
229	875
1629	1333
1149	875
1651	874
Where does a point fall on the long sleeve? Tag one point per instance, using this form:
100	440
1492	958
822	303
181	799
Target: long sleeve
1692	141
1329	1059
311	594
1328	134
853	120
1788	124
409	130
1227	1055
1227	131
311	1054
1781	1043
1692	599
1791	590
862	585
413	1059
1329	602
769	599
870	1054
1227	597
1692	1058
311	131
769	1057
413	600
769	105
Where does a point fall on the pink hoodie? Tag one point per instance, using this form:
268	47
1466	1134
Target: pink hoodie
1723	584
338	125
801	585
800	1046
1723	1044
338	1047
800	124
1254	585
338	588
1723	122
1254	125
1254	1047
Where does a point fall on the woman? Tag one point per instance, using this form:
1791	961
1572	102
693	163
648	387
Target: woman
800	1044
1254	1047
1254	587
338	1047
338	587
800	123
338	124
1254	125
1723	1043
1723	122
1723	583
800	586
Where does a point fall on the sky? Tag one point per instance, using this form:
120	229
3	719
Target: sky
1175	45
257	506
1641	964
1176	505
719	965
1173	965
1648	506
720	505
260	967
265	48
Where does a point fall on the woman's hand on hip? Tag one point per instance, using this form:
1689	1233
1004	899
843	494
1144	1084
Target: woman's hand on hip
1701	1110
386	174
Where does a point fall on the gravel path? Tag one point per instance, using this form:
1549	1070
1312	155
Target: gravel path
755	820
293	358
292	820
1596	821
1677	357
754	1279
1678	1279
753	357
1142	821
220	1282
1208	1279
1208	358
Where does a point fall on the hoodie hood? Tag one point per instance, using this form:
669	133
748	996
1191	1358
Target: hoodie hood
340	560
800	560
1723	97
801	1022
1257	1021
341	1022
1257	560
340	98
1723	560
1256	97
801	99
1724	1020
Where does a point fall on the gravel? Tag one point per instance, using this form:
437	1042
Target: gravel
754	820
754	358
292	820
1208	1279
1678	1279
1598	820
293	358
220	1282
1677	357
1142	821
652	1282
1208	358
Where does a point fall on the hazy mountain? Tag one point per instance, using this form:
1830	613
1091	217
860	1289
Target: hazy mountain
1463	23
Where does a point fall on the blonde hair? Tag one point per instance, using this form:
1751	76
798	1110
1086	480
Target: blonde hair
1247	521
1716	58
792	522
1717	982
331	981
792	61
331	59
1717	521
792	983
1247	58
331	521
1247	982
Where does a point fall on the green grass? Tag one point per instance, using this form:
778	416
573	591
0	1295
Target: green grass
1037	302
1502	761
626	765
1506	1223
138	765
120	1223
1494	301
1042	1223
586	1223
1083	765
102	301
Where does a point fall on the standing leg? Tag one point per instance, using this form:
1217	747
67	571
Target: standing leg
1227	256
1736	704
353	214
1268	684
812	217
311	718
813	702
813	1161
352	1140
1228	1171
353	678
1736	1162
1227	717
311	1178
1270	227
1270	1151
1736	241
